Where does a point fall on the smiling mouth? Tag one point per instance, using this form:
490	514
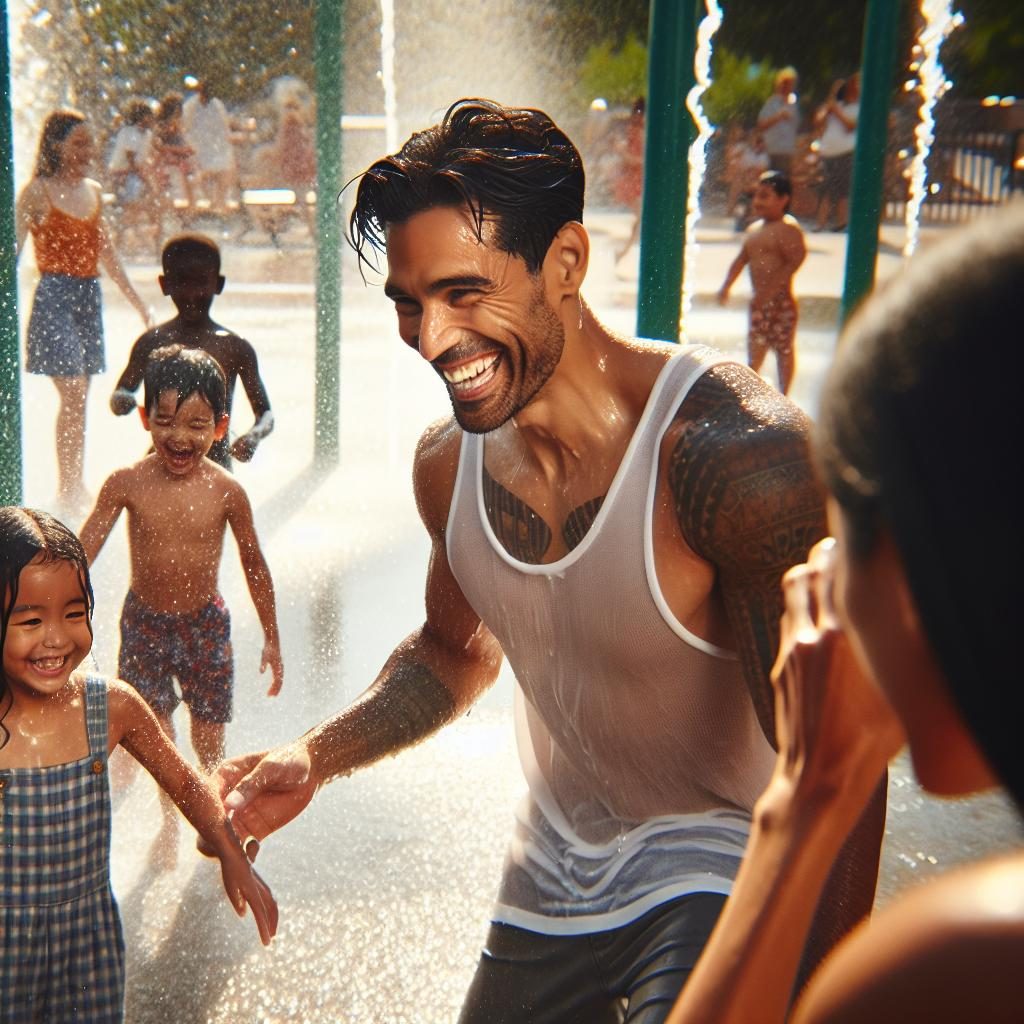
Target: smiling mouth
471	376
49	666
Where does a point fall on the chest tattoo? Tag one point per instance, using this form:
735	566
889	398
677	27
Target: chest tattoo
522	532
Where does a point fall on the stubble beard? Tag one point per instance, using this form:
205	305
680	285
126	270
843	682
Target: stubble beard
542	348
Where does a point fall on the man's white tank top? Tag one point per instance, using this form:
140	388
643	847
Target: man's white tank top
639	741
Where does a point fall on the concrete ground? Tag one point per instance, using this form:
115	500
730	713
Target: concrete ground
386	883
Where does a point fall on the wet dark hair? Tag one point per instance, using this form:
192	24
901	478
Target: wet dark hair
190	249
918	419
515	166
170	104
56	128
187	371
779	183
25	535
136	110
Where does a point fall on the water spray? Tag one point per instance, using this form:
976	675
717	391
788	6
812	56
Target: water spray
387	69
709	25
939	21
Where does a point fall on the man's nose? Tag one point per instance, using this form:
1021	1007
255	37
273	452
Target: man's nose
436	333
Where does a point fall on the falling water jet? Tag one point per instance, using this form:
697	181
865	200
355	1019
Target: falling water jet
931	82
387	68
709	25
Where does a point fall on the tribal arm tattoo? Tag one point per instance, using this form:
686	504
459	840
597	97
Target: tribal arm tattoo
746	500
406	704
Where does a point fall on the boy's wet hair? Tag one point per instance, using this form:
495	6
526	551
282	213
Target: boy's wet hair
914	438
25	535
186	371
778	183
512	166
56	128
190	250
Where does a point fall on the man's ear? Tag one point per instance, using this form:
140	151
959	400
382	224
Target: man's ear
222	427
567	258
144	416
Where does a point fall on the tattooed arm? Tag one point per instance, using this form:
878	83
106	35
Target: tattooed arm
434	675
747	501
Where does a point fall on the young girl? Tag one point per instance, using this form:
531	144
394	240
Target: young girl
62	208
61	946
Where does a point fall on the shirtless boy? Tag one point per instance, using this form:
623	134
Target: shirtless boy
180	504
192	279
774	248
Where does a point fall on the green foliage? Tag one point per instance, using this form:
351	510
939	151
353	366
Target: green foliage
738	88
616	74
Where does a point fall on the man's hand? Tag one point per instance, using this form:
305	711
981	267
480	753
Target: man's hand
723	296
262	792
243	448
272	659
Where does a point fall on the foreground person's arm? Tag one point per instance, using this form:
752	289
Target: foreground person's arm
835	735
432	677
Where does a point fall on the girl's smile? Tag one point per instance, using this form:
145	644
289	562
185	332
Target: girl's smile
48	634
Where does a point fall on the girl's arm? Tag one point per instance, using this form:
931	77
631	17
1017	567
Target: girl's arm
835	734
134	726
29	209
112	264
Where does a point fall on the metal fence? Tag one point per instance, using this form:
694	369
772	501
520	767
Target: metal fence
967	172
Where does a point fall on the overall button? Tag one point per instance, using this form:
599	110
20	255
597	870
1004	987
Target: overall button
97	766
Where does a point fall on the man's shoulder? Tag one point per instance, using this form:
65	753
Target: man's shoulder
434	469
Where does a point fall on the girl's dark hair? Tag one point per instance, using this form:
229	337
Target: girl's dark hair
56	128
188	371
170	105
515	166
919	418
27	534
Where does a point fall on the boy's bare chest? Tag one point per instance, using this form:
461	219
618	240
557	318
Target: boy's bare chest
178	518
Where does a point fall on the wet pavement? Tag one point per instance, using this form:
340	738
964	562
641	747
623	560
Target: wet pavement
386	883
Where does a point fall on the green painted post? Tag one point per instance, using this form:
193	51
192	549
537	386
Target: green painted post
10	372
327	55
672	42
881	24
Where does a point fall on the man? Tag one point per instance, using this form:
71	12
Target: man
778	122
614	516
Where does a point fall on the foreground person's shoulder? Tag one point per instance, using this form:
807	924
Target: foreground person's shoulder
948	951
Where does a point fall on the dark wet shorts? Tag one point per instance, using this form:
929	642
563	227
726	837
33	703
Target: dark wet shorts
65	328
159	647
630	974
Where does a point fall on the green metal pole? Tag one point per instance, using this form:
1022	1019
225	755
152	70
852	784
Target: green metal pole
881	25
327	55
10	373
672	42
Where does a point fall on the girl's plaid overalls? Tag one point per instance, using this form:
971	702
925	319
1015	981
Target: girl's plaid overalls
61	945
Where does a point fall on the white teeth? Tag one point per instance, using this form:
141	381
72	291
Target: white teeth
49	664
469	370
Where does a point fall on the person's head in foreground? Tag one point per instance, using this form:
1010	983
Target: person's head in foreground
913	443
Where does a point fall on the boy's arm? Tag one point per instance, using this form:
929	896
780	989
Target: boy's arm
257	576
109	503
122	401
244	447
134	726
735	269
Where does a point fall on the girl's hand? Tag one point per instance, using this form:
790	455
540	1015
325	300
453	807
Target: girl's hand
272	659
835	729
244	886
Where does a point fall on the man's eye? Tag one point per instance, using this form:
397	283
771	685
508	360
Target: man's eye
458	295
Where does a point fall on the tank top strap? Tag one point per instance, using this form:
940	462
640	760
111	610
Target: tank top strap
96	715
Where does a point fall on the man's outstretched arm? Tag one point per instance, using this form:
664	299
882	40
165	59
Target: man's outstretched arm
433	676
